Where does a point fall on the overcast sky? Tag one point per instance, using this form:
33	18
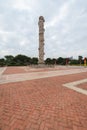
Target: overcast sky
65	27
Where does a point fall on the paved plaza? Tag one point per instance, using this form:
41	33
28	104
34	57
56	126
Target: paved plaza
43	98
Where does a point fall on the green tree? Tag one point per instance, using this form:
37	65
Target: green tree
53	61
48	61
34	60
21	59
9	60
74	62
2	62
61	61
80	59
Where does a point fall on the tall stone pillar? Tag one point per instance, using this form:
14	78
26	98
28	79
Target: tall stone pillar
41	39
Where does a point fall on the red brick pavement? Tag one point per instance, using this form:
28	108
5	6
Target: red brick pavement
26	69
83	86
43	104
14	70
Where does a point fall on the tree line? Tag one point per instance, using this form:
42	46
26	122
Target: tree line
23	60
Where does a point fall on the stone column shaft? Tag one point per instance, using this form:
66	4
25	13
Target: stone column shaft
41	39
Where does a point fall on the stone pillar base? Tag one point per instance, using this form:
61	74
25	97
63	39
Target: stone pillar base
42	66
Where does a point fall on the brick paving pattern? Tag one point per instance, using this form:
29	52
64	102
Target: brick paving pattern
43	104
83	86
14	70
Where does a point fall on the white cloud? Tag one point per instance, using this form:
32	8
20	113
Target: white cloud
24	42
24	5
4	35
21	5
65	23
63	12
6	52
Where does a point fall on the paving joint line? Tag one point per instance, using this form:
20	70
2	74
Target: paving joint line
37	75
73	86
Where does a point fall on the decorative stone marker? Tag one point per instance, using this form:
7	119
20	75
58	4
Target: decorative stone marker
41	39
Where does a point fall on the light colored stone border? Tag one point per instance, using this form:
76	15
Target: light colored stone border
72	85
2	69
37	75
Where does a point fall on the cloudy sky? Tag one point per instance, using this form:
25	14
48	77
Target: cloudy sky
65	27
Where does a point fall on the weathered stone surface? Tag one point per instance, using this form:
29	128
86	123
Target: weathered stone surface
41	39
